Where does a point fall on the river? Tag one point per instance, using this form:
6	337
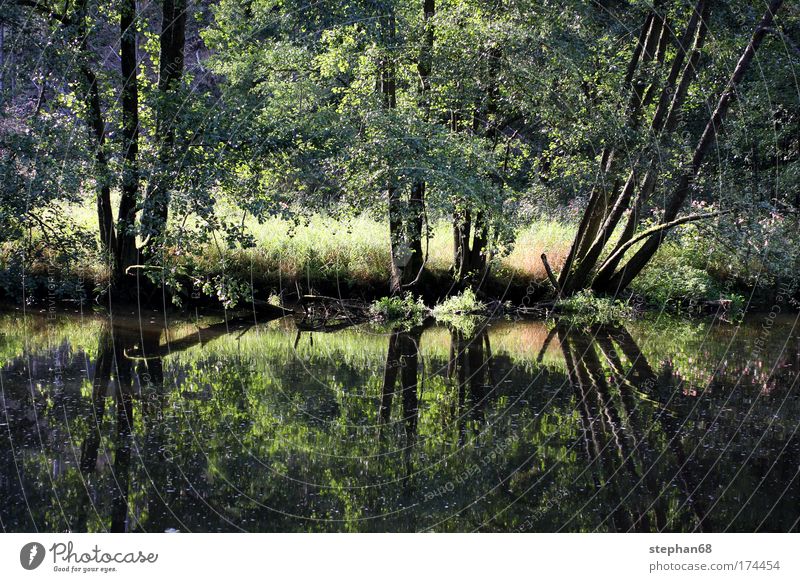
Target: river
147	423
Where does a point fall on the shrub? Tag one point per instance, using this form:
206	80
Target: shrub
395	308
465	303
586	308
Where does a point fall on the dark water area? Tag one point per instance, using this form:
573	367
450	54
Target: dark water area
143	424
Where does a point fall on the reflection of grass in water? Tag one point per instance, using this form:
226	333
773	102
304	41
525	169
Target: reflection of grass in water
37	332
363	347
692	347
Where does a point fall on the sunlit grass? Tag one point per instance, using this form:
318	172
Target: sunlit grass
347	253
552	238
356	250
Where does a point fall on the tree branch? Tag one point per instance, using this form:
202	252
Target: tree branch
550	275
657	229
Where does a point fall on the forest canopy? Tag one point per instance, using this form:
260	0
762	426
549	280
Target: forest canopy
236	149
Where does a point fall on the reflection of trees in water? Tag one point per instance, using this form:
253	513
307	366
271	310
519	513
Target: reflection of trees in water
469	371
402	360
115	369
402	363
613	378
615	448
470	367
128	371
669	456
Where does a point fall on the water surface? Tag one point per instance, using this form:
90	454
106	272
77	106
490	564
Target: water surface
149	424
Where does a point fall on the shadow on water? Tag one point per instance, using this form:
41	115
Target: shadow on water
230	426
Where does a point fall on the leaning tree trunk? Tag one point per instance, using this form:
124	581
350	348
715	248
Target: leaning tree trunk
97	136
664	122
589	244
607	186
639	260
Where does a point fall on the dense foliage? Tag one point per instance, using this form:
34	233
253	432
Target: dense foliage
141	139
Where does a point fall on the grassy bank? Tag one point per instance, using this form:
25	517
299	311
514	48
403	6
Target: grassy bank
350	257
328	255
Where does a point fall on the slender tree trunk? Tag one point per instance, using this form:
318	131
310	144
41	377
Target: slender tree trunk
126	235
639	260
102	173
171	65
406	219
418	189
471	233
592	239
97	136
462	225
398	244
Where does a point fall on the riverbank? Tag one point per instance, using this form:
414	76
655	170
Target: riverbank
349	258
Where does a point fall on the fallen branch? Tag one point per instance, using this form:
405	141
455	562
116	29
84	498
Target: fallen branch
550	274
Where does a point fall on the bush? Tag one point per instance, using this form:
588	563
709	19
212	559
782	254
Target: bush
669	282
465	303
586	308
687	271
396	308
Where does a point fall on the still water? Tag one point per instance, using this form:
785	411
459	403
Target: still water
206	425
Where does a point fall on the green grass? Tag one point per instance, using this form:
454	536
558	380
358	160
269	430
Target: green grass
353	253
350	256
550	237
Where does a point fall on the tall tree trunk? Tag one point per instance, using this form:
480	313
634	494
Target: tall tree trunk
126	235
102	173
171	65
471	234
416	220
97	136
406	219
639	260
398	245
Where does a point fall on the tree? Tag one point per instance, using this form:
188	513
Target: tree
604	210
172	41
